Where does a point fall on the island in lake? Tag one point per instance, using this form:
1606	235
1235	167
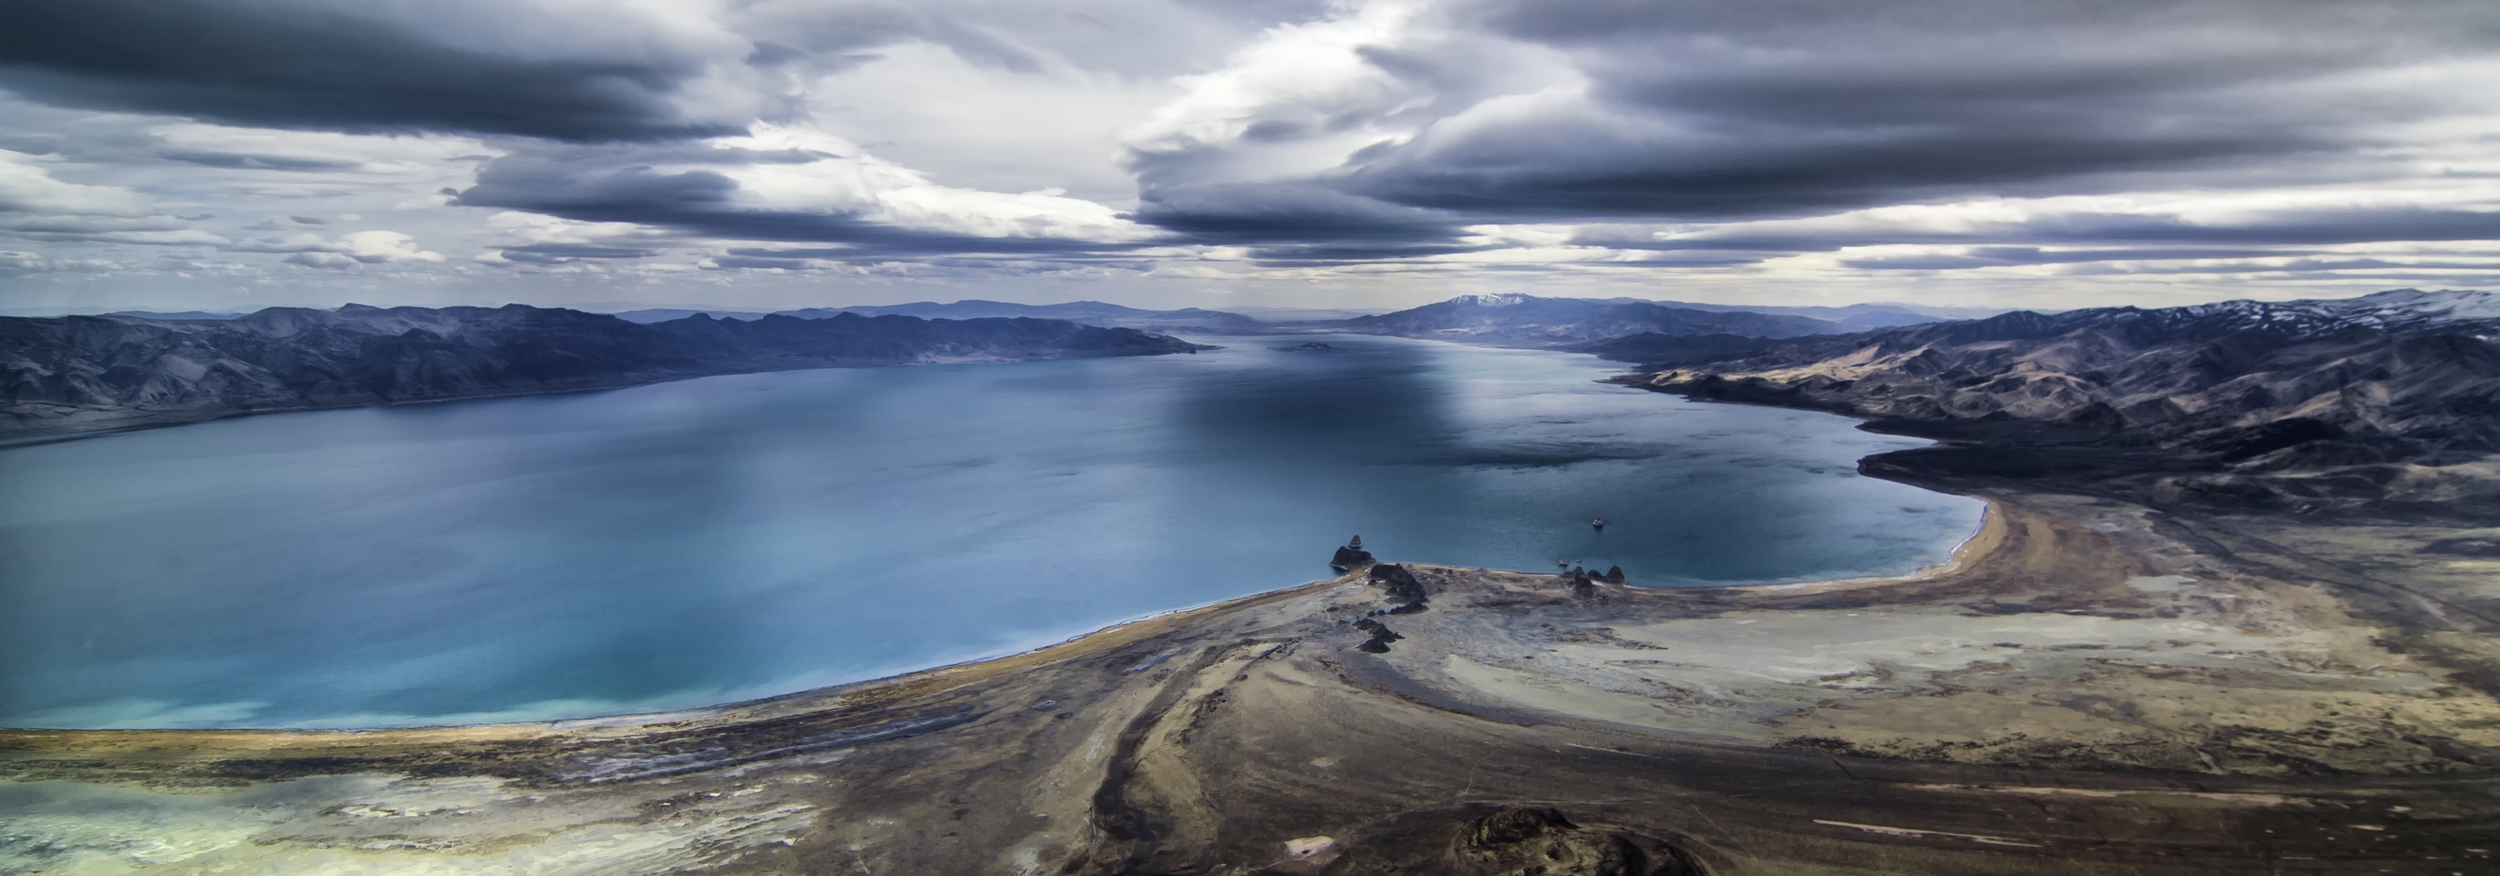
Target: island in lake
2231	610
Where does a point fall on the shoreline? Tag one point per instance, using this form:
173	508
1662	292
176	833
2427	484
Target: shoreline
846	694
1963	552
1931	554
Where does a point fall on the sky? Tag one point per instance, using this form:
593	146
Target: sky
761	154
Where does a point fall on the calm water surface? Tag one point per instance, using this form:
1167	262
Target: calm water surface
708	540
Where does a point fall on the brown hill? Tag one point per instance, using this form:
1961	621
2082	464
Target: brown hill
2387	403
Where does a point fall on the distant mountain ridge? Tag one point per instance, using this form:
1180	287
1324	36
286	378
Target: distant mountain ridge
1849	317
2387	400
1508	319
79	373
1571	323
1094	313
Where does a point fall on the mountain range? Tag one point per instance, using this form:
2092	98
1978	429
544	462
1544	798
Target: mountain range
81	373
1503	320
2389	401
1571	323
1093	313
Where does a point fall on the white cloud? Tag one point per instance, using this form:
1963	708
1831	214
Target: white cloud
983	126
28	188
316	151
516	228
350	250
12	262
386	246
849	181
1292	77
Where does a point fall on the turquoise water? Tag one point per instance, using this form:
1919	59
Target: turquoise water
710	540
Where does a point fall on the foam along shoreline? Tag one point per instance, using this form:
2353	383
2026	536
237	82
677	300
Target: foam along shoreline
2204	685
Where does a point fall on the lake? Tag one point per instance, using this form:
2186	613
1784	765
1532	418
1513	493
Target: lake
710	540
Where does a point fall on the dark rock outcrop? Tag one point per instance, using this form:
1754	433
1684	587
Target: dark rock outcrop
1515	840
1614	575
1401	583
1520	840
1381	636
81	373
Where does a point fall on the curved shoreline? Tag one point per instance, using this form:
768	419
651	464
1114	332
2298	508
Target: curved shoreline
967	671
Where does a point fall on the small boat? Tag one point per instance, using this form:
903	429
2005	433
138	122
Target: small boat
1599	523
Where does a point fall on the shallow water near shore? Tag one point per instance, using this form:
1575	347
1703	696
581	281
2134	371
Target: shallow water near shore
708	540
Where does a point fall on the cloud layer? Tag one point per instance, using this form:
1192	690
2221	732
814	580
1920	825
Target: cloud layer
2130	149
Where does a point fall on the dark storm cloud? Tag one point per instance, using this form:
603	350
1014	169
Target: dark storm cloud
344	67
234	160
1719	110
2002	256
1713	112
1579	169
2297	228
621	184
1300	222
567	253
596	186
734	263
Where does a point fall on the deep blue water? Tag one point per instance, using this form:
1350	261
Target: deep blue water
708	540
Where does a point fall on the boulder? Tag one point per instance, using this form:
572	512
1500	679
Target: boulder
1380	639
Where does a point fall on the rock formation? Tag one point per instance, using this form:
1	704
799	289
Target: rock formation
1381	636
1519	841
1402	585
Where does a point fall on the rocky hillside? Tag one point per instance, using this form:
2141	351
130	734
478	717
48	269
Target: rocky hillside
2389	402
87	372
1571	323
